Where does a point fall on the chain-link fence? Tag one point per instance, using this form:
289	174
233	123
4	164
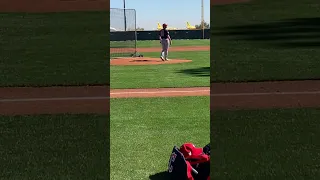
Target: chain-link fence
123	26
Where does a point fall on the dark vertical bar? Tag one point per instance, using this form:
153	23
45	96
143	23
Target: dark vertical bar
124	15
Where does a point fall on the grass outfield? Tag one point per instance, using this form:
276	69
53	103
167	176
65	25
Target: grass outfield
266	40
58	49
54	49
155	43
266	144
144	131
54	147
195	73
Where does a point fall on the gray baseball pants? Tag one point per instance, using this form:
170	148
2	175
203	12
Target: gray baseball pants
165	48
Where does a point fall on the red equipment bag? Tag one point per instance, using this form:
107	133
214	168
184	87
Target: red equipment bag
189	163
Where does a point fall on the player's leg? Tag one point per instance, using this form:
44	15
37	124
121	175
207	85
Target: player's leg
163	49
166	52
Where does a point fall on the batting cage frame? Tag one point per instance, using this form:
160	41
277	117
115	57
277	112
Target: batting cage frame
123	33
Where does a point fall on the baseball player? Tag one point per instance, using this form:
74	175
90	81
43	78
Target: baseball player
164	40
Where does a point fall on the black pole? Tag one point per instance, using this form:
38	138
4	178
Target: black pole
124	13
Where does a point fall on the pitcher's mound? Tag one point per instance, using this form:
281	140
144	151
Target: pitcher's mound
144	61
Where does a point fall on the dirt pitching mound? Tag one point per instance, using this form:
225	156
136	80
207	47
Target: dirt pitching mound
138	61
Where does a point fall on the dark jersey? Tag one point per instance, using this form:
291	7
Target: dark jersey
164	34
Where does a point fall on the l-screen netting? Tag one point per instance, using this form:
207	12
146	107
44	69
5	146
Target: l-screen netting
122	32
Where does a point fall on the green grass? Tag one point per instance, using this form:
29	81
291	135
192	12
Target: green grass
58	49
144	131
195	73
266	144
54	147
266	40
146	44
54	49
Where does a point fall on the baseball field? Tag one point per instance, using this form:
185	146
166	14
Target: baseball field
259	130
166	104
55	108
265	90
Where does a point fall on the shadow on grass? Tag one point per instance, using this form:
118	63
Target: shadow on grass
54	147
299	32
201	72
160	176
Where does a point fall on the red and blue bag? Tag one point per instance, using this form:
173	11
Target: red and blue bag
189	162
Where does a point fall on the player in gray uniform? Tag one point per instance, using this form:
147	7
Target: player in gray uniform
165	40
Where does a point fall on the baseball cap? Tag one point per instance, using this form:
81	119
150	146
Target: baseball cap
190	150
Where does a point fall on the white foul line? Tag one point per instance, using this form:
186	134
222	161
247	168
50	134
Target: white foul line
222	94
160	92
267	93
157	92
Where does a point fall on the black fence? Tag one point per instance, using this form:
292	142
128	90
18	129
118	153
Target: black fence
154	35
